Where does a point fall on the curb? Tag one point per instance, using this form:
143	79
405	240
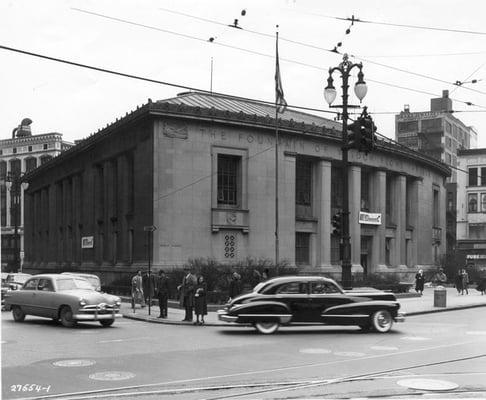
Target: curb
155	320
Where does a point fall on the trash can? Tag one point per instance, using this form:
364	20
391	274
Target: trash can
440	297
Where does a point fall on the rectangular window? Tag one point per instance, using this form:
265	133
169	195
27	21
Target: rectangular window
44	146
473	177
448	142
448	127
483	176
448	159
30	148
477	231
228	179
30	164
335	249
302	248
303	182
431	125
435	210
365	190
472	202
14	150
483	203
408	126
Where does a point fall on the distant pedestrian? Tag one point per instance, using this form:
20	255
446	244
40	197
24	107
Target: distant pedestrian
200	301
235	286
266	274
186	290
458	282
137	290
440	277
256	278
482	285
162	293
419	281
148	281
465	281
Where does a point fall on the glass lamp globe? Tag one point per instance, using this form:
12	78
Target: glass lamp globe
360	89
330	94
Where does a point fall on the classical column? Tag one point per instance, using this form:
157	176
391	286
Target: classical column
287	208
378	205
324	214
122	194
400	217
108	212
354	184
53	227
413	219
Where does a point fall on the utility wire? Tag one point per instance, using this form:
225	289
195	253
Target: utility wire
312	46
431	28
191	88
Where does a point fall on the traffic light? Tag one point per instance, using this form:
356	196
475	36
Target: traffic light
355	136
336	222
368	136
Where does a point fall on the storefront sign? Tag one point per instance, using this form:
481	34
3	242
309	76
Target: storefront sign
476	256
87	242
369	218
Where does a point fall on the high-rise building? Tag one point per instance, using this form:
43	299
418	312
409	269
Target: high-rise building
438	134
20	154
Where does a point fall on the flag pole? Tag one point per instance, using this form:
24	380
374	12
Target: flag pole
277	72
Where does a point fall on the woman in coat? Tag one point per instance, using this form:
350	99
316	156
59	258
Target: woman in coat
200	302
419	282
465	281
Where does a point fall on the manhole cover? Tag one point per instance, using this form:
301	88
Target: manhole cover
74	363
428	384
384	348
349	354
415	338
112	376
315	351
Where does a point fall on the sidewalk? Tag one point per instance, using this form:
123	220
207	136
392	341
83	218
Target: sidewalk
410	305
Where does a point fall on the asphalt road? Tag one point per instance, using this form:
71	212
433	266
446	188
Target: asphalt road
152	361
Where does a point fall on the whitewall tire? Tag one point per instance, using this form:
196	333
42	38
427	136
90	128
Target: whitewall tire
382	321
267	328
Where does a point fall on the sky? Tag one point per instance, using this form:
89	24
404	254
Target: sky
168	40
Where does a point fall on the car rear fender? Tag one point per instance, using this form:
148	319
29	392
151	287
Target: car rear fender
364	307
262	311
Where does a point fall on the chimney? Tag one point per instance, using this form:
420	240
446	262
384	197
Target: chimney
441	104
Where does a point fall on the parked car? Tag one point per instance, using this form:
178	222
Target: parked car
93	279
311	299
12	281
66	297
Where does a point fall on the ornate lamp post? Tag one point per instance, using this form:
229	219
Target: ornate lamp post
330	93
15	184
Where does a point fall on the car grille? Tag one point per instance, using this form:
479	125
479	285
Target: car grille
102	308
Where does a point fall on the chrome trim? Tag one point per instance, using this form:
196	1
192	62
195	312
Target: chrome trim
98	317
346	315
284	318
227	318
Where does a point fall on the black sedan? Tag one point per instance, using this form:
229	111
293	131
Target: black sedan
311	299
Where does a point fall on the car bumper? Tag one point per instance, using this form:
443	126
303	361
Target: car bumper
399	318
96	317
223	316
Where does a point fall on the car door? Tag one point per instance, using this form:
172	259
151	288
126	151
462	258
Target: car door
295	295
323	294
26	297
45	296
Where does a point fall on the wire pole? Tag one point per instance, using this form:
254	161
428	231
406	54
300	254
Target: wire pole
276	192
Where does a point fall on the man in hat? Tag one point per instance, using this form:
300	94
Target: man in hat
162	293
186	290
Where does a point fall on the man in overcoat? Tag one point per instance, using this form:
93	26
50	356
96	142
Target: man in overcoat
162	293
148	281
187	289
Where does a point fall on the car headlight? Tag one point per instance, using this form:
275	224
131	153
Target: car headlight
82	302
118	303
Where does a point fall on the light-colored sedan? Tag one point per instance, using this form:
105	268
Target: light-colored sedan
68	298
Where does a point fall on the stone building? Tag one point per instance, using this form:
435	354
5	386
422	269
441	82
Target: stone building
471	209
19	155
201	169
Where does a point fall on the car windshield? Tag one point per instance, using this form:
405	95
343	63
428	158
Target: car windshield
95	282
73	283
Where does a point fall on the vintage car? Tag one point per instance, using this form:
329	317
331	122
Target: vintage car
12	281
65	297
311	299
93	279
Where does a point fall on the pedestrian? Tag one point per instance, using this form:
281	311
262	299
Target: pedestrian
465	281
266	274
186	291
419	281
256	278
458	282
200	302
235	286
162	293
482	285
148	282
440	278
137	290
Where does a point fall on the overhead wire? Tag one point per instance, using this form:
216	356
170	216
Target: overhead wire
264	54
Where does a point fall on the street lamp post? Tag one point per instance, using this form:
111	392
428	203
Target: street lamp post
360	90
15	184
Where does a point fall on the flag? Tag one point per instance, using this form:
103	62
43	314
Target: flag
280	102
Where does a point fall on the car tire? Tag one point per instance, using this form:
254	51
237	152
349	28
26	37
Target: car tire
18	314
382	321
107	322
66	316
267	327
